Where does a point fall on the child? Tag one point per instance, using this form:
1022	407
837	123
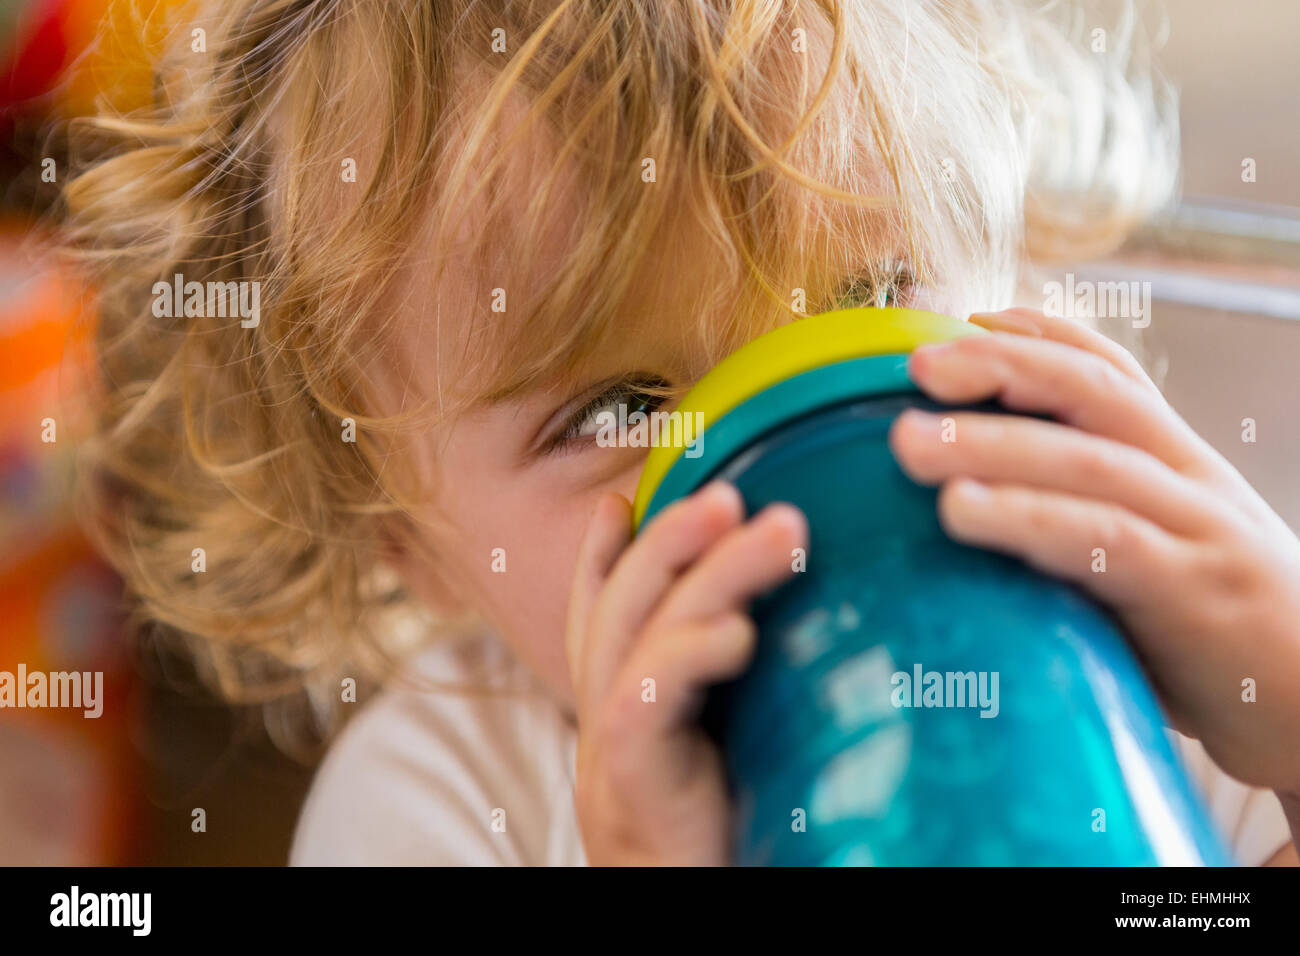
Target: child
468	228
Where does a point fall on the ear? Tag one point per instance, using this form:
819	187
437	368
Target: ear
407	552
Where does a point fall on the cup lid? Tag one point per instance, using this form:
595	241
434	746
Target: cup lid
790	350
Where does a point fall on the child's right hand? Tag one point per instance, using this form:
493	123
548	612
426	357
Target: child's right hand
669	607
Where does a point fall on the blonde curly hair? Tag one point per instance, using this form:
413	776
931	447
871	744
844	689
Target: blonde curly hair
1007	138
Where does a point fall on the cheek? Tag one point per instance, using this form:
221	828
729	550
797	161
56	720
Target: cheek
518	555
518	546
514	536
529	599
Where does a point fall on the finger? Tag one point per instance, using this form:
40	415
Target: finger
1076	387
642	575
932	448
747	562
681	662
609	530
656	699
1060	534
1066	331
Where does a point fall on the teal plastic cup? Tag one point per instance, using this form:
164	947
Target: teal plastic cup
912	700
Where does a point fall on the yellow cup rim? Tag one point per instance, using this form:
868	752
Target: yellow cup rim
789	350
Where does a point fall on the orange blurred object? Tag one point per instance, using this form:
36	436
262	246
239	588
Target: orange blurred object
122	38
68	790
85	50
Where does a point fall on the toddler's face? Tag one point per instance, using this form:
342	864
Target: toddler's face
522	474
516	479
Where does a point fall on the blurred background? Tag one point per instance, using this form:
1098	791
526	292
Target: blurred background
1224	340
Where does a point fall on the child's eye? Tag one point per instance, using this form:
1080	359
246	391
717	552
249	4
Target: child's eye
634	395
882	289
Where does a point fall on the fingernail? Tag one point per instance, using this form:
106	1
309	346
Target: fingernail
933	348
785	513
778	509
970	489
921	421
1004	320
925	356
720	492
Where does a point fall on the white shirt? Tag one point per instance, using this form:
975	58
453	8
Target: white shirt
427	775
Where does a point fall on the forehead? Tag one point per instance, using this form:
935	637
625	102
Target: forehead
548	257
524	299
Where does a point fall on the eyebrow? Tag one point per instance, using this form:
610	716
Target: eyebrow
888	269
506	393
565	381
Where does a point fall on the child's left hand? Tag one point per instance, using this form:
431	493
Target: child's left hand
1202	573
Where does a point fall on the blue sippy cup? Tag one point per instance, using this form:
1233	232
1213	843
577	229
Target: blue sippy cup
913	701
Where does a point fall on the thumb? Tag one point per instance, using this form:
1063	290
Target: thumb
609	531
